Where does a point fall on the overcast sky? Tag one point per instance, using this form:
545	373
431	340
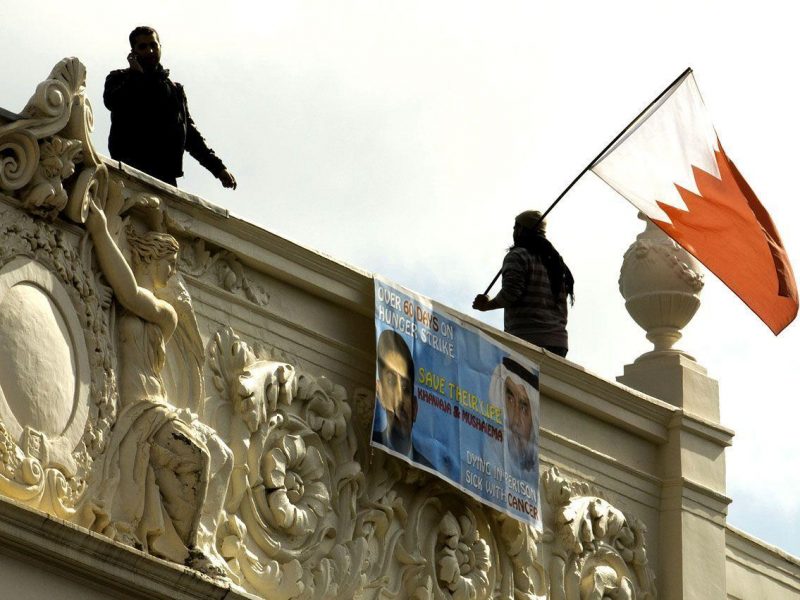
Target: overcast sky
402	138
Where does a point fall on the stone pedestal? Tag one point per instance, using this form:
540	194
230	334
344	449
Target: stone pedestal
693	501
677	379
661	283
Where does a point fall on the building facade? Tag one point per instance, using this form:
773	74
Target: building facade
205	435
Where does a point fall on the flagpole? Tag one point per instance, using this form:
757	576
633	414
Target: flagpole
596	158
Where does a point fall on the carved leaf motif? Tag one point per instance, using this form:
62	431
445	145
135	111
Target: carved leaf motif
464	557
225	269
598	552
45	195
327	412
194	258
295	481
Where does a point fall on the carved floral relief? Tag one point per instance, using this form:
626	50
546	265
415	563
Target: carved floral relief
223	268
598	552
295	481
221	454
303	510
39	152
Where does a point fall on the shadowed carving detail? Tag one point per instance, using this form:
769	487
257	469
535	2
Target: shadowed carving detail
598	551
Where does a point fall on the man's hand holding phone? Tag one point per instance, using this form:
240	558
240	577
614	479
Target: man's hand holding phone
134	63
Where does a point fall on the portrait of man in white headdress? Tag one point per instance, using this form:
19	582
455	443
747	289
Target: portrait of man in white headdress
516	389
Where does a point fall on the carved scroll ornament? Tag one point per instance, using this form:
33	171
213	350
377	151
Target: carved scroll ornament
230	458
40	152
598	552
289	531
223	268
304	520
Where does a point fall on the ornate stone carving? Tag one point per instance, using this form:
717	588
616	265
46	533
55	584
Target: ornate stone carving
45	195
597	552
257	476
223	268
39	151
19	158
463	557
295	481
661	283
52	427
425	540
305	521
50	108
165	474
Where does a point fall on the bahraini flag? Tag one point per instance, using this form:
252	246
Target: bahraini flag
670	165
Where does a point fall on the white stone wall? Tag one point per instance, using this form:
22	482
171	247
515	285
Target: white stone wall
757	570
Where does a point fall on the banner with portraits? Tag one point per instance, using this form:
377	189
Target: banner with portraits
454	402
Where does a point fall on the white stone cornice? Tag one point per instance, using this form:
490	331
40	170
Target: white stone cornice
42	539
765	558
704	428
561	450
681	492
176	195
360	357
643	416
271	254
260	249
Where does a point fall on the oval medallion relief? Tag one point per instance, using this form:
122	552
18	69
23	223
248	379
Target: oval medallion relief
44	367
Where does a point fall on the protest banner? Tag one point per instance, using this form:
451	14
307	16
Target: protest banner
454	402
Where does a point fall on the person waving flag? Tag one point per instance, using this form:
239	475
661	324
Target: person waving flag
670	165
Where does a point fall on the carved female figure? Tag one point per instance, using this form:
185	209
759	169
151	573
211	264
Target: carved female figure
155	476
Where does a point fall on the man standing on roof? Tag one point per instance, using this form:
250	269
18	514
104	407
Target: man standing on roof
150	121
536	283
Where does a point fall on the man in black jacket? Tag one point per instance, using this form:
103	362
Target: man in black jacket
150	121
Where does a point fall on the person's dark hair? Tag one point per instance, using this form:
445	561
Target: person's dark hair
141	30
532	239
522	372
391	341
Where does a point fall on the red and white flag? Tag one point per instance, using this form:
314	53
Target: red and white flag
670	165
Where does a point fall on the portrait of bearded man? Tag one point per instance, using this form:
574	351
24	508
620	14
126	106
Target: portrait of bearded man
515	389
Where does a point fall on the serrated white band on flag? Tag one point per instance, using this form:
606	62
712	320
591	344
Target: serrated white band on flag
669	164
657	152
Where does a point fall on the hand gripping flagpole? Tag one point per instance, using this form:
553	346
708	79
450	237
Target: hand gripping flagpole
597	158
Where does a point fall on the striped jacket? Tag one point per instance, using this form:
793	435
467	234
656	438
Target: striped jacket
531	312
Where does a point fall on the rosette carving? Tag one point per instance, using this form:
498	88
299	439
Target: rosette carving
293	496
598	551
427	541
294	486
463	557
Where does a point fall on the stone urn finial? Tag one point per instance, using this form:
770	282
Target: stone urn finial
661	283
